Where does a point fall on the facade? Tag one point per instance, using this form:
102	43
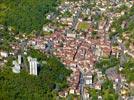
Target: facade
4	54
16	68
88	79
19	59
33	66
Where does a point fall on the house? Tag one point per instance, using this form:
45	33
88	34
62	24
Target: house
114	85
2	27
47	29
72	91
100	98
132	84
77	92
99	74
4	54
86	95
97	86
71	35
63	94
98	52
124	92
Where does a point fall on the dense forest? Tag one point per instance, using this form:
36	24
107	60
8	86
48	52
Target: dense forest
45	86
25	15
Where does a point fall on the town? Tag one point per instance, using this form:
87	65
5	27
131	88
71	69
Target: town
78	35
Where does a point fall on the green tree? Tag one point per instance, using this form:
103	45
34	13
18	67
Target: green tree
26	15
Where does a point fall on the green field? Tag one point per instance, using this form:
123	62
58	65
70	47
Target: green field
83	26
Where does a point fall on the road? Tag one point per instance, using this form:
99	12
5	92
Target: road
81	86
75	19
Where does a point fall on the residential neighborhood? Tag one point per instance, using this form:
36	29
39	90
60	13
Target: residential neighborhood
78	34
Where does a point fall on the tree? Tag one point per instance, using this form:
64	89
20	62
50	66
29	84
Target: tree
108	91
27	15
27	87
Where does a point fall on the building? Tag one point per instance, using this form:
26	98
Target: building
71	35
112	74
19	59
33	66
4	54
98	52
97	86
16	68
88	78
86	95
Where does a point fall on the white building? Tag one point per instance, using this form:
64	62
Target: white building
19	59
88	79
72	91
47	29
86	96
33	66
71	35
4	54
98	51
16	68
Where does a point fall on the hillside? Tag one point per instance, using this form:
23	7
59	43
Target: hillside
25	15
45	86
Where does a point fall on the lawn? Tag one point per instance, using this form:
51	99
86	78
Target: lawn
83	26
